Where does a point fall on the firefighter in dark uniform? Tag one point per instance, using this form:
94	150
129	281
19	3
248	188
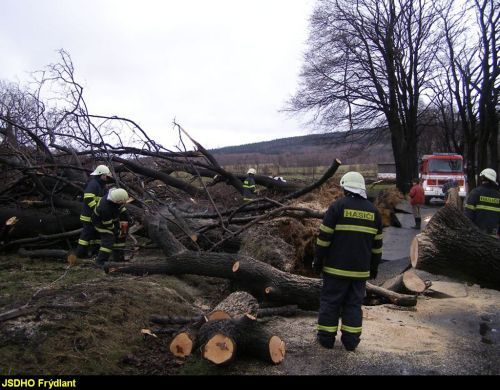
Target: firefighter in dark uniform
483	203
249	186
348	252
111	219
93	192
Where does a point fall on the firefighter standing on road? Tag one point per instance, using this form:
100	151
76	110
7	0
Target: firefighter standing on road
249	186
348	252
93	192
110	218
483	203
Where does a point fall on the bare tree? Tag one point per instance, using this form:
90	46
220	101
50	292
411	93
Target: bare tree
467	86
368	65
488	13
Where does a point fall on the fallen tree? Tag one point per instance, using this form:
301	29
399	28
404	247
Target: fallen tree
452	245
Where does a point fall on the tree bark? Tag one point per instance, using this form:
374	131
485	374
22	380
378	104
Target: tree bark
237	304
451	245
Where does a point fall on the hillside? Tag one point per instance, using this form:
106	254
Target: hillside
310	150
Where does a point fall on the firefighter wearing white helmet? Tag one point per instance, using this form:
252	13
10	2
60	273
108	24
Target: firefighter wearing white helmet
483	204
249	186
101	170
111	219
93	192
348	252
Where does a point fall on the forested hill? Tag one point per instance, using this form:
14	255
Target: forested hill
309	150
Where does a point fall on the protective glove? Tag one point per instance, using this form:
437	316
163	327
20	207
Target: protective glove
373	273
317	265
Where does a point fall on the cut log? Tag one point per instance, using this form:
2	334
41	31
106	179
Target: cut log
182	344
451	245
219	349
218	315
31	223
236	304
407	283
221	340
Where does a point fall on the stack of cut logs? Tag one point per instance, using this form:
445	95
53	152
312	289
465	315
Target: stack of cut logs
230	329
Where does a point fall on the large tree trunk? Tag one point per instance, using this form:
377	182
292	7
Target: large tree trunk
451	245
31	223
260	279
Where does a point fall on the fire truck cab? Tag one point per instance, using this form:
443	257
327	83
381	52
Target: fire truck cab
438	168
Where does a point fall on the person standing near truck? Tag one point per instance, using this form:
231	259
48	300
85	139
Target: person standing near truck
417	198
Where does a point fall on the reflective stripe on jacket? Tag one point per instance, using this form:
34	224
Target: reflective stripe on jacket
93	192
483	208
350	238
249	188
107	214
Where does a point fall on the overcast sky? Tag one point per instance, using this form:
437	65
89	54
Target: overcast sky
222	68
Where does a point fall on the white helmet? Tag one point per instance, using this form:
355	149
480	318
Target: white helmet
353	180
251	171
489	174
118	195
101	170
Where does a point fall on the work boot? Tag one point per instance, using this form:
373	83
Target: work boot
101	259
325	341
82	252
350	348
418	222
119	257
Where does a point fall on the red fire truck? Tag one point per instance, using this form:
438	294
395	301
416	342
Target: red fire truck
438	168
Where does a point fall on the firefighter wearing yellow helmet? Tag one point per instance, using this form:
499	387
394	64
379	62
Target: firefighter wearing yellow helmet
348	252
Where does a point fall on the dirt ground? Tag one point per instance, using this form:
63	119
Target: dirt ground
86	322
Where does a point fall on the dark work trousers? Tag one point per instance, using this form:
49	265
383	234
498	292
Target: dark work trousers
111	242
341	299
89	239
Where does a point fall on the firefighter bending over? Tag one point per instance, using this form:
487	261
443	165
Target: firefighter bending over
111	219
348	252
